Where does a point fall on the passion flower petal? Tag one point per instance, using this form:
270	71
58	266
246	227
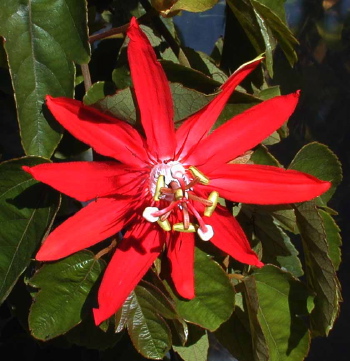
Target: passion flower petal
195	128
243	132
107	135
230	238
262	184
153	94
87	180
97	221
180	254
132	259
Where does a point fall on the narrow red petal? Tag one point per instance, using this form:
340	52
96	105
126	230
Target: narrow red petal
197	126
243	132
230	238
152	93
87	180
107	135
97	221
181	257
261	184
131	260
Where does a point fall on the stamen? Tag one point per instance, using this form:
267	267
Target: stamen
163	211
149	214
179	227
160	184
197	215
213	198
206	202
186	216
197	173
164	224
192	183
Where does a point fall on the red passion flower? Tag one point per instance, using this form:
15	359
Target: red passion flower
161	186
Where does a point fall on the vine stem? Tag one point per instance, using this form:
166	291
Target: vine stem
86	76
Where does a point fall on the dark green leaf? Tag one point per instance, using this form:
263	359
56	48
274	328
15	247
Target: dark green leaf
121	105
197	351
261	155
308	160
277	246
320	274
279	30
333	238
259	341
88	335
235	335
27	209
43	39
148	331
214	299
190	78
187	101
283	302
193	5
64	288
98	91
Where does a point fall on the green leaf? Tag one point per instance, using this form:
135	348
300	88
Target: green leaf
244	13
194	352
261	155
64	288
251	299
187	101
214	299
279	30
98	91
86	334
333	238
235	335
264	28
308	160
148	331
43	39
320	275
283	302
27	210
190	78
121	104
3	58
277	246
193	5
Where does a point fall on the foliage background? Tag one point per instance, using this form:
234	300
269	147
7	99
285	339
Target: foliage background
322	71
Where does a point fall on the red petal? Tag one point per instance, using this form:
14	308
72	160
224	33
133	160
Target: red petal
230	238
88	180
197	126
261	184
181	256
135	255
152	93
243	132
97	221
107	135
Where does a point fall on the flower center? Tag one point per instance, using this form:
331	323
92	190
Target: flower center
172	187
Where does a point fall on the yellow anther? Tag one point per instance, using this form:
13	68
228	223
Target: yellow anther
165	225
160	184
196	173
178	194
213	197
179	227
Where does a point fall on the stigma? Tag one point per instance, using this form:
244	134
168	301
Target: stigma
172	187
